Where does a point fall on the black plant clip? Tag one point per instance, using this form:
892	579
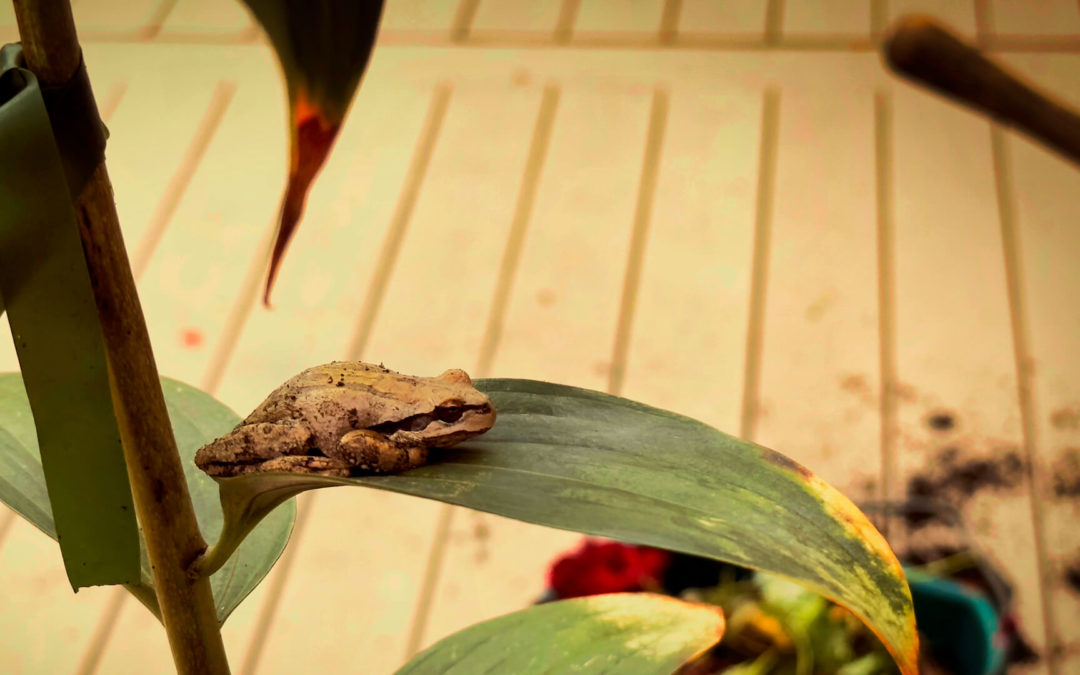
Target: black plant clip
76	125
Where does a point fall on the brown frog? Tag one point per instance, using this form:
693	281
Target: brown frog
348	418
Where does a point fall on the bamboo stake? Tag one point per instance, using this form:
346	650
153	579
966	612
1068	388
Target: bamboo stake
162	502
926	51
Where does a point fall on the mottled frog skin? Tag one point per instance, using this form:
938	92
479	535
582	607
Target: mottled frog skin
348	418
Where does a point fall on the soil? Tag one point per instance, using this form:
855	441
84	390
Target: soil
1072	574
1067	474
954	479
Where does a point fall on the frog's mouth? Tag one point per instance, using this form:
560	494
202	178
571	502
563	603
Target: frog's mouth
444	416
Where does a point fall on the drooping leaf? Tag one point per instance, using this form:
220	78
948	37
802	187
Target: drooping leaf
602	465
631	633
196	419
54	323
323	48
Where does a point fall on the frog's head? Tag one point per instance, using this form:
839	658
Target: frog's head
455	411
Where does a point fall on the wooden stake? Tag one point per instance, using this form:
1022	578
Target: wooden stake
162	502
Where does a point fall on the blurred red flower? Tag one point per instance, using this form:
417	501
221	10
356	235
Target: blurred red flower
607	567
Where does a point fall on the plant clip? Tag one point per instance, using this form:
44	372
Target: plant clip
73	115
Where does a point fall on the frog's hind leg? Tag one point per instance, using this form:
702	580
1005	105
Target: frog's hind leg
308	464
370	451
249	446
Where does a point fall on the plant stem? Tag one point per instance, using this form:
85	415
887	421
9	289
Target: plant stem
162	502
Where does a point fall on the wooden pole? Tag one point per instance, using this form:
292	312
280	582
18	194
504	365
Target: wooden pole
162	502
924	50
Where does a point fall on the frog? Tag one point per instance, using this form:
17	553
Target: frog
349	418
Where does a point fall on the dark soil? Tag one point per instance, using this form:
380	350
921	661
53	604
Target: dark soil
1067	474
953	479
1072	574
941	421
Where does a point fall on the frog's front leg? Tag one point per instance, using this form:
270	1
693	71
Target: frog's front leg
371	451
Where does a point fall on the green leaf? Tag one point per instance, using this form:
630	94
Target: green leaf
589	462
631	633
54	323
323	48
196	419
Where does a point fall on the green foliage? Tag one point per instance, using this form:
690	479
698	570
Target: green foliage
602	465
54	323
631	633
196	419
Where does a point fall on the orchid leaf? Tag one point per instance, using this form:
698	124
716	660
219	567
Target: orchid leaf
630	633
602	465
57	336
196	419
323	48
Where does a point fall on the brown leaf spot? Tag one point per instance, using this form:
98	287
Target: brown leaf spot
786	462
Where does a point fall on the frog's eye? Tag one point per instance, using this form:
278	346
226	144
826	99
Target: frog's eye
452	414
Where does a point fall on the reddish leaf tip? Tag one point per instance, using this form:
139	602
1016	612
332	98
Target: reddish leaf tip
312	138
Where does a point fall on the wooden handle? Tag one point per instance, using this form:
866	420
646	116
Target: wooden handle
923	50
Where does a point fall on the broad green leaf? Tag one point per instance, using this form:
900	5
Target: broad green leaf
602	465
55	327
323	48
197	419
625	633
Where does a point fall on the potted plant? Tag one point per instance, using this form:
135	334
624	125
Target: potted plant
963	604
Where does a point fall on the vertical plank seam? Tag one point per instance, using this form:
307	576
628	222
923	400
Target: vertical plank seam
515	241
669	22
276	587
534	163
7	519
984	21
181	178
650	163
755	328
399	222
1010	240
111	100
774	22
157	20
879	18
463	20
246	300
883	168
564	25
426	598
91	659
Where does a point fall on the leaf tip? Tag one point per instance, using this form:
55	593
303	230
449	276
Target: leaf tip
313	134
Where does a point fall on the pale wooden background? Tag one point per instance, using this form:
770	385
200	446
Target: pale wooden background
722	207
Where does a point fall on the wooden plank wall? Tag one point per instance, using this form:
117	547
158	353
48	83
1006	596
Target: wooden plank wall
725	207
